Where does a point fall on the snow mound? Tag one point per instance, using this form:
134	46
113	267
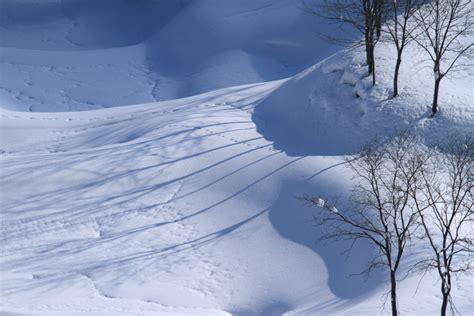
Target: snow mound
177	208
190	206
332	108
76	55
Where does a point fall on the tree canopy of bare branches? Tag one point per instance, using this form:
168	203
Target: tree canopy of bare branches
444	201
383	213
443	25
402	29
404	189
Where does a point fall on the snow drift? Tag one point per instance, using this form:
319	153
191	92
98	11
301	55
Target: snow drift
331	108
108	53
190	206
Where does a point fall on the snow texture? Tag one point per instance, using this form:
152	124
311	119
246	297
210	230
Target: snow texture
120	197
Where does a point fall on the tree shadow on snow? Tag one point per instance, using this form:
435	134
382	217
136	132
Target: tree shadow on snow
294	220
120	191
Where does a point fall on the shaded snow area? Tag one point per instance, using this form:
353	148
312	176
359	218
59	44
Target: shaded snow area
116	203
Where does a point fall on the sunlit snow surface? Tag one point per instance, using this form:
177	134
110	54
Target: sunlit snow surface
190	206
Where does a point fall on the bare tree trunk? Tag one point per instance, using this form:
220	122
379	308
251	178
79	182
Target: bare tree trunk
369	53
369	48
378	17
434	107
393	293
444	306
446	291
395	76
373	71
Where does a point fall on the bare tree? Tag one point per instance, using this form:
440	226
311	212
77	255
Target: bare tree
444	201
365	16
384	214
402	30
443	24
379	17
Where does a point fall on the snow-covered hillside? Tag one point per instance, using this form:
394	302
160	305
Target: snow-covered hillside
104	53
190	206
331	108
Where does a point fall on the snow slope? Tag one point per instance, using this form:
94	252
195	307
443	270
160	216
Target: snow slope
104	53
181	206
190	206
331	108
